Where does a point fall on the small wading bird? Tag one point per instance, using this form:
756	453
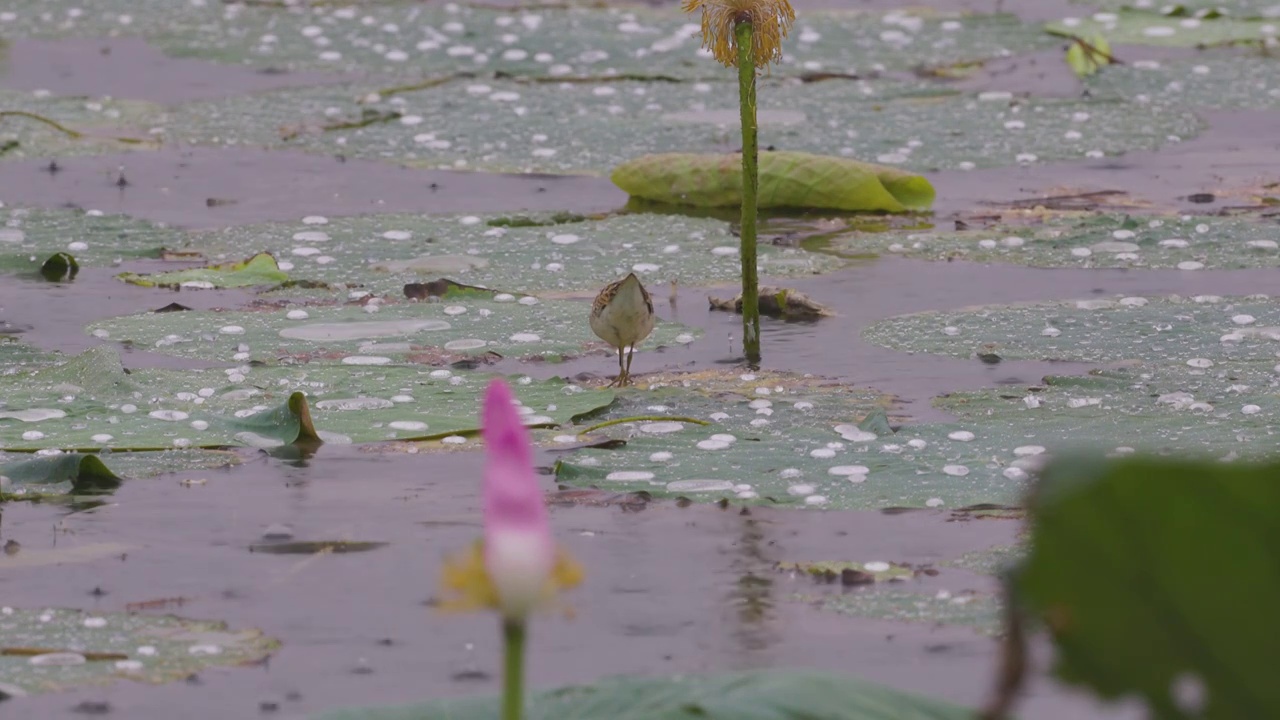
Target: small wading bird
622	316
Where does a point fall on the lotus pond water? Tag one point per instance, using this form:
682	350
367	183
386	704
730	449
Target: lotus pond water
252	298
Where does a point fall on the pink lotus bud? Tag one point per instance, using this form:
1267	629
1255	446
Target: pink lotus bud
519	553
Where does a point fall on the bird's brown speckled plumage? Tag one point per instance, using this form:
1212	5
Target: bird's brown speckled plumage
622	315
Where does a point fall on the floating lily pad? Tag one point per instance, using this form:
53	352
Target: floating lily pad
1189	375
259	270
1229	412
86	474
993	561
573	127
55	650
764	695
980	611
1184	29
38	476
1194	333
414	40
29	237
1212	80
1113	544
1196	8
16	356
36	125
784	439
90	402
1087	241
382	253
425	333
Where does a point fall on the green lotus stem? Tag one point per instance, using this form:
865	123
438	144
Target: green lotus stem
641	418
750	187
513	669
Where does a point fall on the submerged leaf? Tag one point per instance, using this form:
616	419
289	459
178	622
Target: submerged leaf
787	180
100	648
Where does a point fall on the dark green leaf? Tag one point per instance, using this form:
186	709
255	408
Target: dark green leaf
60	267
1159	577
86	473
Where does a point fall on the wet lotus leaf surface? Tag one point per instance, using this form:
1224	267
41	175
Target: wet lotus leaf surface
90	402
260	270
1140	27
1196	333
38	475
1089	241
980	611
87	125
574	127
761	695
1186	375
16	355
993	561
90	648
1195	8
349	335
383	253
771	440
28	237
1217	80
1228	411
412	40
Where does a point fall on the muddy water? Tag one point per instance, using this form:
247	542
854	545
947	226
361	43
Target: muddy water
206	187
665	591
130	68
687	613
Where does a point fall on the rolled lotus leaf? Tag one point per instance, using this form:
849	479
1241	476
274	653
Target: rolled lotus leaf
787	180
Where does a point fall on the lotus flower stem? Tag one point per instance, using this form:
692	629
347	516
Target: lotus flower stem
743	32
513	634
746	34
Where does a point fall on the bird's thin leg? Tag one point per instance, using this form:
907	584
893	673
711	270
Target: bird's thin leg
630	354
622	373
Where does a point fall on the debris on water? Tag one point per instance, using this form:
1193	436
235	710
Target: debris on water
58	659
277	531
776	301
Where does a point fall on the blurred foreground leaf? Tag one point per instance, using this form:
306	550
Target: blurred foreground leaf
744	696
1159	577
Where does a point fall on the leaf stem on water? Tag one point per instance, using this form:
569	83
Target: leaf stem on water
513	635
750	188
40	118
641	418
